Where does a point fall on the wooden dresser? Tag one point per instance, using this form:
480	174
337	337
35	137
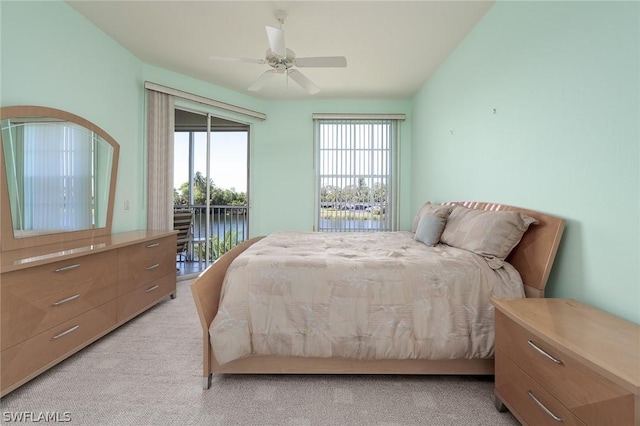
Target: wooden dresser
58	298
559	361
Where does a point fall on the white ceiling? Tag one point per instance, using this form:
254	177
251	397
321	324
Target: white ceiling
391	47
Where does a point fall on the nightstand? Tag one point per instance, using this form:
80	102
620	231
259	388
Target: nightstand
561	361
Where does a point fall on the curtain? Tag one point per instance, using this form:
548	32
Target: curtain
160	129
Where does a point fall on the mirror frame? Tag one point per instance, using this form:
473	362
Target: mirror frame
7	240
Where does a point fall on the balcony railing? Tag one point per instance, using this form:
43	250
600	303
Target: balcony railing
228	226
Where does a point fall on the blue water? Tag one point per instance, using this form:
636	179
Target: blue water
237	226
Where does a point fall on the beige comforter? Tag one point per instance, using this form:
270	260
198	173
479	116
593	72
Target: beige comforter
358	295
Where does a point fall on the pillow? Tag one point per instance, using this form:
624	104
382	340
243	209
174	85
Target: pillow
491	234
429	229
432	209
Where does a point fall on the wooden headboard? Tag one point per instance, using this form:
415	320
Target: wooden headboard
533	257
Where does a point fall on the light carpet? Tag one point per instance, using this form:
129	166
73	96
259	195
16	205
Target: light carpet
148	372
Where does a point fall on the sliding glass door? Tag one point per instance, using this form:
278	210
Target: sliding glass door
211	180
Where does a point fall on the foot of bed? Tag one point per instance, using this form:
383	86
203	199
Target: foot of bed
499	404
206	382
173	295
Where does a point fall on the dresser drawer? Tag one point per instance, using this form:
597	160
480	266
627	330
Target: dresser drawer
26	359
142	263
27	319
527	398
591	397
47	280
139	299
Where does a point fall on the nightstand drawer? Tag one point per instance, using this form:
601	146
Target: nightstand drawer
591	397
527	398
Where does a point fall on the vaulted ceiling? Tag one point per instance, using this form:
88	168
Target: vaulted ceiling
391	47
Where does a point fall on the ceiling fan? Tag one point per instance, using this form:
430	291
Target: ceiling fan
284	61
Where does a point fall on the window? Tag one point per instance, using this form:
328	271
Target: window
355	174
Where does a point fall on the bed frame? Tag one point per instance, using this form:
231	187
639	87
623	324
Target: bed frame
533	258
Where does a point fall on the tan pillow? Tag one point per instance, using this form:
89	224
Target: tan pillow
491	234
431	209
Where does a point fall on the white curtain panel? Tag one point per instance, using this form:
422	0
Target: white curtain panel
160	128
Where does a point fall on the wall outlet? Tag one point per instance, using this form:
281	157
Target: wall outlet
126	204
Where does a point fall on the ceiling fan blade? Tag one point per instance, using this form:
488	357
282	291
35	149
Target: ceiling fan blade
276	41
304	82
230	59
322	61
262	80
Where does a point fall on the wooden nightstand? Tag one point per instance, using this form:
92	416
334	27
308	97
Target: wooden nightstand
560	361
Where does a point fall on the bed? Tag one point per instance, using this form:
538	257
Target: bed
351	280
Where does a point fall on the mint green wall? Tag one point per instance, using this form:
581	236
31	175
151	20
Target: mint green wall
563	78
52	56
283	161
282	175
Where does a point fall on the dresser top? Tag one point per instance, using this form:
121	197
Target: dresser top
16	260
606	343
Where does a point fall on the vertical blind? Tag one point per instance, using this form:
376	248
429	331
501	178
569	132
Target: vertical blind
63	167
355	174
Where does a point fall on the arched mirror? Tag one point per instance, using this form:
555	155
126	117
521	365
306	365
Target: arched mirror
58	177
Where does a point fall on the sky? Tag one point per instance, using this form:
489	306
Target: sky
228	158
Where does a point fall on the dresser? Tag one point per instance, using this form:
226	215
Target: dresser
58	298
559	361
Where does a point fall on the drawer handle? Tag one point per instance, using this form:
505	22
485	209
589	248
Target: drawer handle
534	346
152	245
68	299
66	268
545	409
150	289
148	268
64	333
